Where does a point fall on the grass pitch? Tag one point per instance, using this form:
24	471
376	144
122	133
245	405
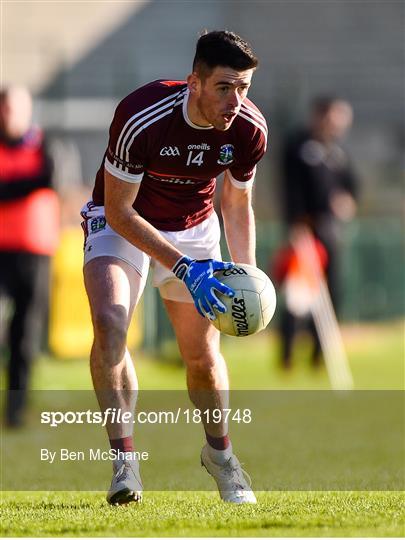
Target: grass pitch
202	514
376	356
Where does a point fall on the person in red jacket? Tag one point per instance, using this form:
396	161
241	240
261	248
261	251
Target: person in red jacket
29	224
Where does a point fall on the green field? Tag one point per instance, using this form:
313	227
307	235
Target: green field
376	356
202	514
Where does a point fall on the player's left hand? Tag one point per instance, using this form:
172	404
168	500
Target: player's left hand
200	281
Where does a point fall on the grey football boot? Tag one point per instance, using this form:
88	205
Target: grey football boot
233	482
126	485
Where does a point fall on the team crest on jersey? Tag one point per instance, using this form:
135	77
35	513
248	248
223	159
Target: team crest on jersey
226	154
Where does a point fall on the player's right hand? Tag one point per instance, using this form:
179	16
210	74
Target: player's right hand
200	281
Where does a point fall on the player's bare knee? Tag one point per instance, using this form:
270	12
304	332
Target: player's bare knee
110	329
203	362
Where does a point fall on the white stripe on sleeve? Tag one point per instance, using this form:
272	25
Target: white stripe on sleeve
127	177
259	117
241	185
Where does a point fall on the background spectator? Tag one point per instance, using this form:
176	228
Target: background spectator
29	223
319	190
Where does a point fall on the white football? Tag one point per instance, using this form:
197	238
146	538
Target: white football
254	303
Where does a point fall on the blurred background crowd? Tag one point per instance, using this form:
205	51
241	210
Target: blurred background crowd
78	59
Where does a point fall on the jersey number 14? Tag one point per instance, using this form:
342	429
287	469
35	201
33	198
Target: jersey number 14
196	160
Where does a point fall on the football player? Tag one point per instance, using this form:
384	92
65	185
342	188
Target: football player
152	208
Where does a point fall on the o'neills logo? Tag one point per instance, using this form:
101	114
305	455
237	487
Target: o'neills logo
202	146
239	316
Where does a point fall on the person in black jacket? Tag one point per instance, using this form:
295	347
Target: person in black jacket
28	236
319	190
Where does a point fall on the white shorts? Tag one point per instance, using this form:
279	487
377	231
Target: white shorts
199	242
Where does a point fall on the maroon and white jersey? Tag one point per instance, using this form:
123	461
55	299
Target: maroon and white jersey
153	141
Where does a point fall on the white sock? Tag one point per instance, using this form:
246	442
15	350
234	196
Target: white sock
220	456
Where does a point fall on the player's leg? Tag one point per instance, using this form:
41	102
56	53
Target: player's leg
207	382
207	377
206	371
206	368
114	287
115	273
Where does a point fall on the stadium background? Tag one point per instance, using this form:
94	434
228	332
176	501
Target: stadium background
80	58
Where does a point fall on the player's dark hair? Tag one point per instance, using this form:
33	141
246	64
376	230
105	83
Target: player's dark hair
222	48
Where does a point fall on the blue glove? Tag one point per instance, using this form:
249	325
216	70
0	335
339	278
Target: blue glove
200	281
